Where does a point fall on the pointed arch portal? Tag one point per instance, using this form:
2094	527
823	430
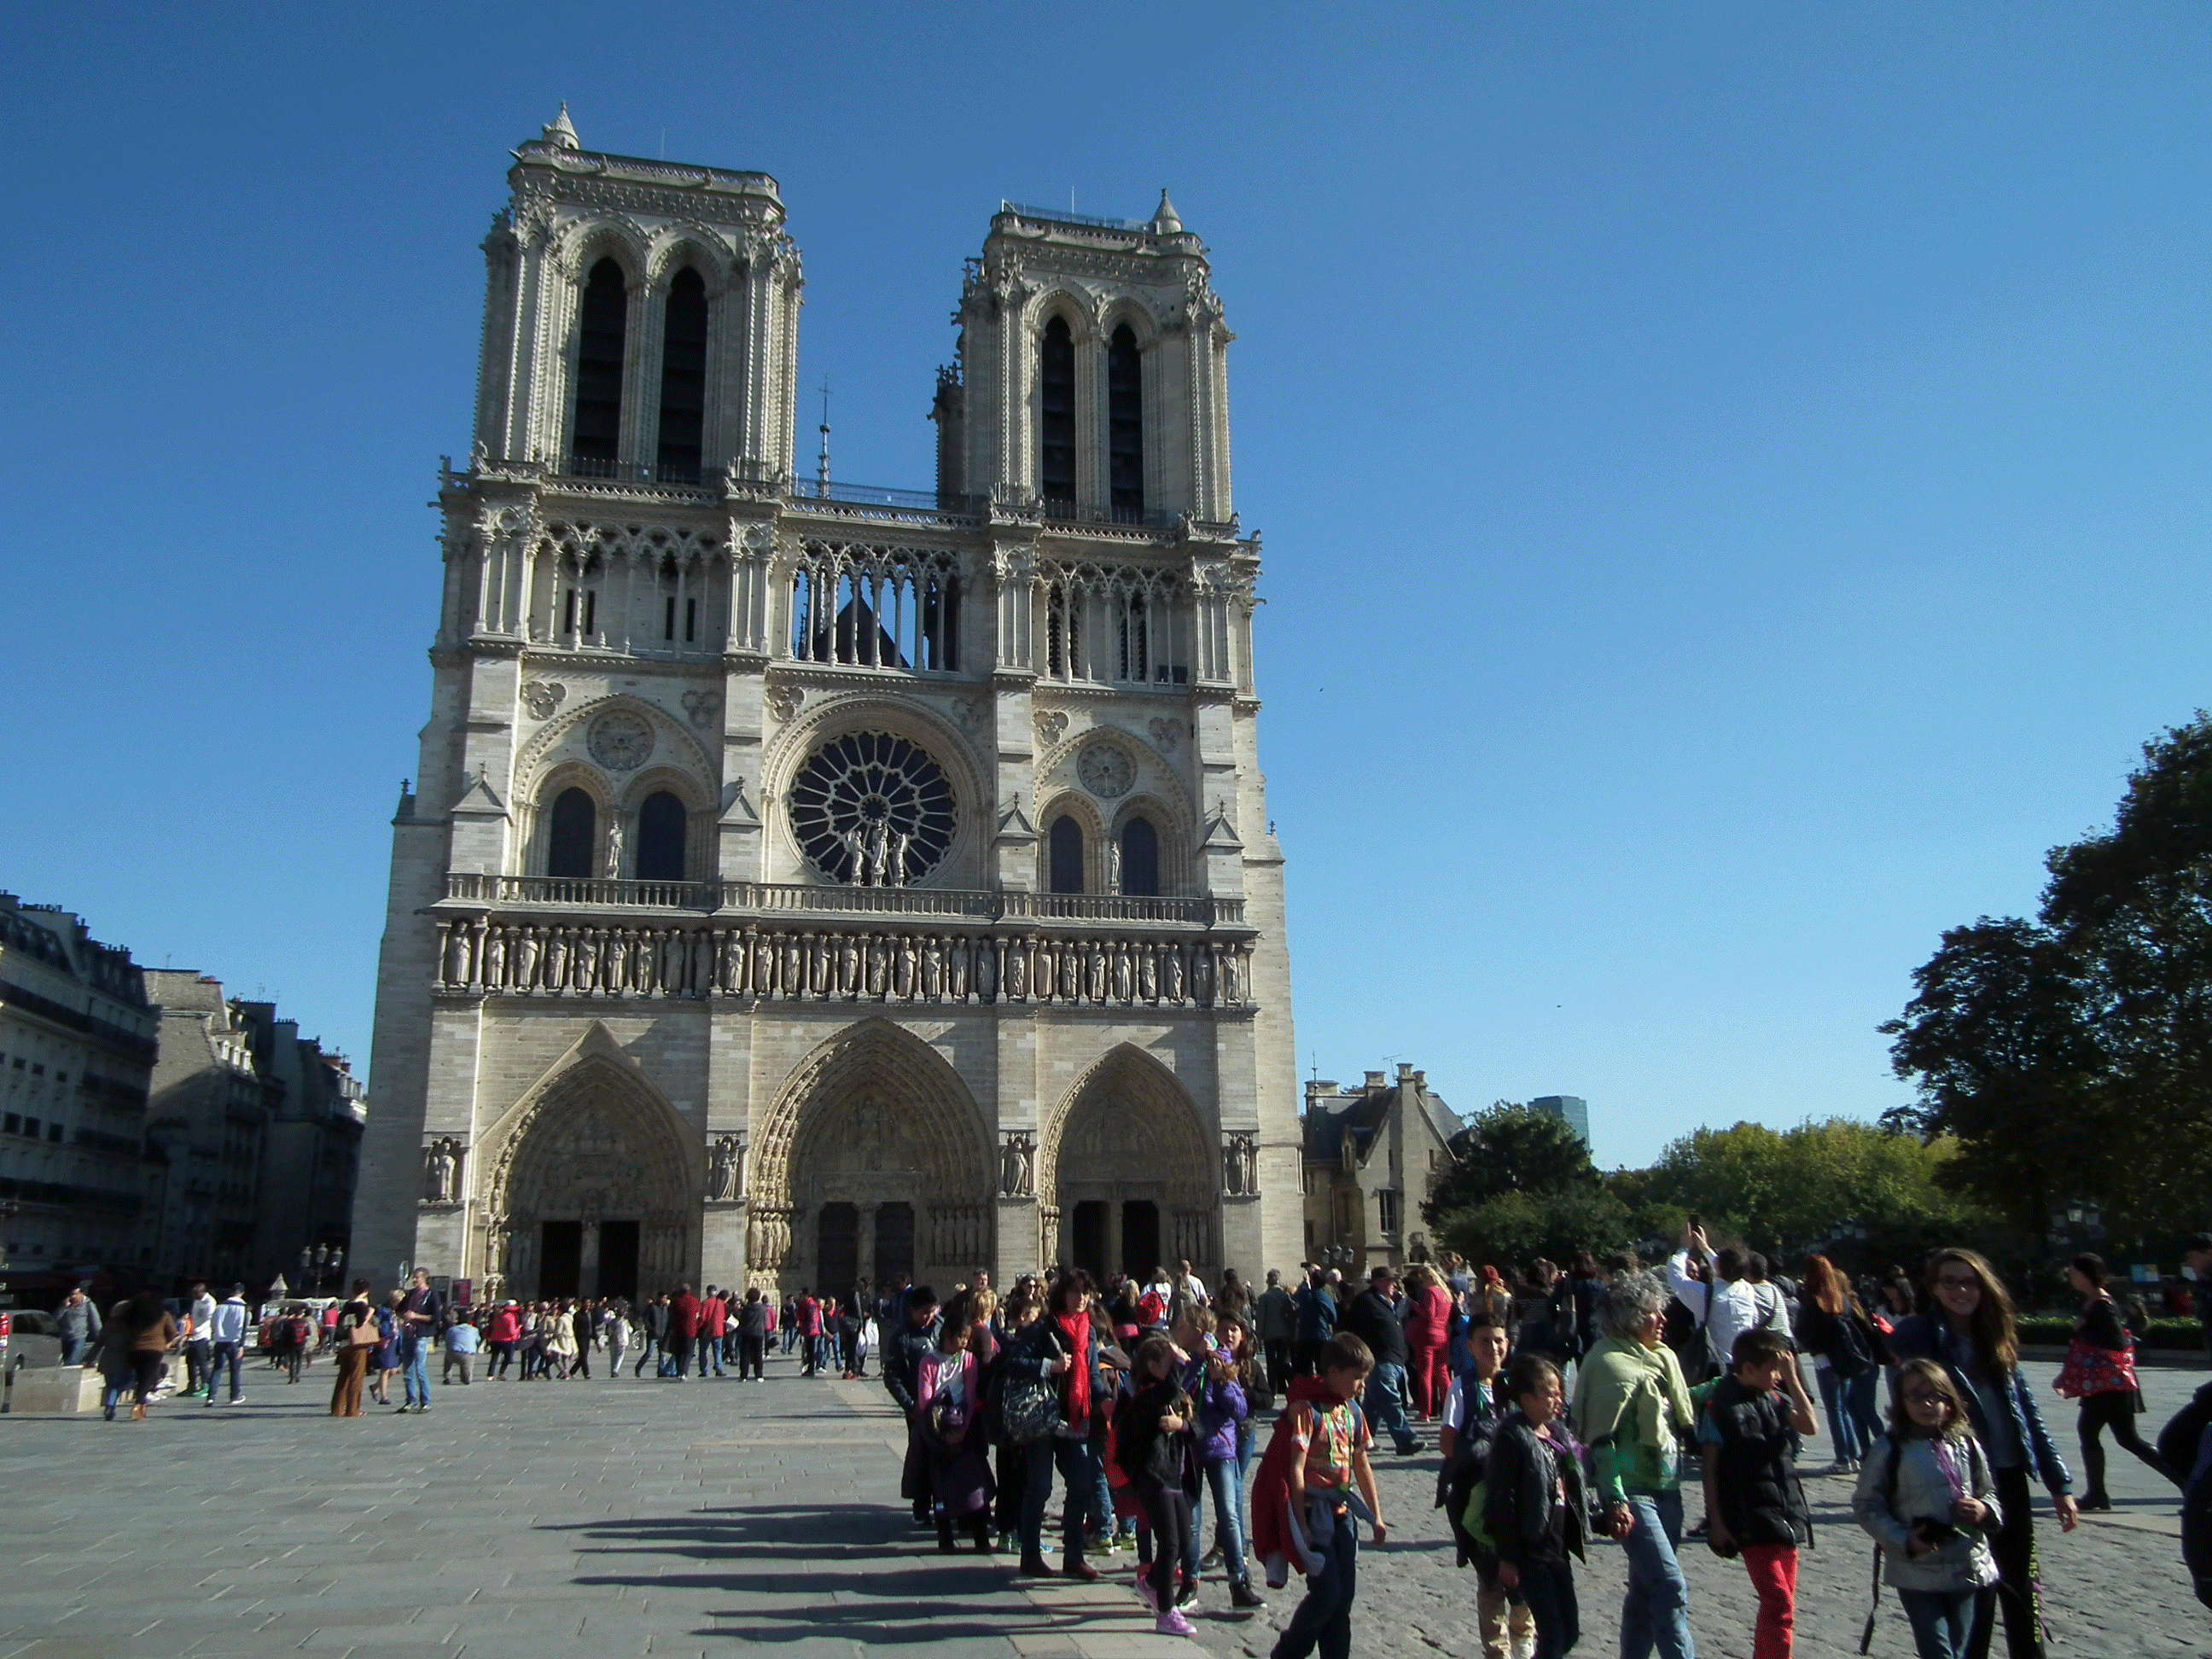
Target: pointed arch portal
1126	1167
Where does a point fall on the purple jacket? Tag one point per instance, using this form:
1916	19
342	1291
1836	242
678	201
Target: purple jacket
1219	1413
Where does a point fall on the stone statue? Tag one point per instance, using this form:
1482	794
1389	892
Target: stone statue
722	1177
878	853
856	856
441	1171
614	845
900	842
1018	1166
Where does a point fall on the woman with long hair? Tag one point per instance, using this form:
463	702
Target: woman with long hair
2101	1371
1427	1323
1971	1333
1846	1353
357	1341
146	1331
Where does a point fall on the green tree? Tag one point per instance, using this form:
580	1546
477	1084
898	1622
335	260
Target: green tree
1513	1229
1510	1149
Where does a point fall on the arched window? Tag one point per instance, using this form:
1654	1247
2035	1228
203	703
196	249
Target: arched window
1125	421
1056	399
684	380
660	838
1140	857
606	315
1066	848
574	843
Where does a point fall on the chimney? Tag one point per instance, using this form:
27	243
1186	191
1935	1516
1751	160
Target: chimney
1376	1085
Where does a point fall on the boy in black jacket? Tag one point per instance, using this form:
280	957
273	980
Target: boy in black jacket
1747	1433
1534	1508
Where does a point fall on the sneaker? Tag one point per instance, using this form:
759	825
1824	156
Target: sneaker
1145	1591
1172	1623
1187	1593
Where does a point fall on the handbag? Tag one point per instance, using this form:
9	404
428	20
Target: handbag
2091	1370
364	1334
1029	1407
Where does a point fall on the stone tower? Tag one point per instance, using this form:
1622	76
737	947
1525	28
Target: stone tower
812	882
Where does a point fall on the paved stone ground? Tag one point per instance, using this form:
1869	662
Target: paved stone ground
710	1518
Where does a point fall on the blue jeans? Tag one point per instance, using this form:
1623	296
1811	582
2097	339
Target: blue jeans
415	1374
1942	1620
710	1353
1655	1611
1322	1621
1859	1397
1385	1404
223	1354
1078	1467
1843	1426
1228	1515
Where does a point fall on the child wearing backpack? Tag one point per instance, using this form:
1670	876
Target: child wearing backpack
1929	1502
1471	1414
1534	1508
1748	1436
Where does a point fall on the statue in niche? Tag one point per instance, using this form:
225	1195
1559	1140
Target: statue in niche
1018	1166
614	845
723	1178
442	1171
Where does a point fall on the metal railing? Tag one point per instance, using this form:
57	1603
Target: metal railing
795	898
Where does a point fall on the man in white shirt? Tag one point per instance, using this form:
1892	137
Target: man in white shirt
199	1369
226	1328
1192	1286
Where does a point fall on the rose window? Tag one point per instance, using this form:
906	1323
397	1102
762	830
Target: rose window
872	809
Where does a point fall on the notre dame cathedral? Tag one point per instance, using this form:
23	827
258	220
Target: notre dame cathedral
808	882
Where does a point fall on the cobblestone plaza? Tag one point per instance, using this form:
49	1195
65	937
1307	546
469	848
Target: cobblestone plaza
637	1517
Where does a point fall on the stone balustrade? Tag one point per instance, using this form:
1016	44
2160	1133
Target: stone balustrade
782	898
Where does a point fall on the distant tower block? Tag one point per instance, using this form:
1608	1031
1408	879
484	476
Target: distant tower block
1573	1108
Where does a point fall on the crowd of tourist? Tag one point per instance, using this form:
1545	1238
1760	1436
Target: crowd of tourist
1568	1403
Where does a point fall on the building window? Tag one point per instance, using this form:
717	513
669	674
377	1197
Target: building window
690	619
30	1127
1140	857
660	838
876	608
1056	406
605	316
684	380
1125	424
12	1123
580	611
1386	1210
1065	841
53	1131
574	840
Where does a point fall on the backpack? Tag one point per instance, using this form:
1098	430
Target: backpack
1462	1490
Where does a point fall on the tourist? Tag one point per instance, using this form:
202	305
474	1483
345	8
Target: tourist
1374	1317
1154	1443
77	1323
653	1351
1632	1411
1427	1327
385	1362
503	1335
359	1337
141	1332
1534	1327
917	1339
1845	1347
1928	1499
1689	1304
1015	1315
616	1332
226	1330
1275	1321
2196	1256
419	1313
1473	1410
1747	1436
1533	1505
1971	1335
1224	1442
714	1326
194	1331
558	1330
1063	1346
462	1340
1316	1478
806	1318
752	1335
683	1330
2101	1371
949	1399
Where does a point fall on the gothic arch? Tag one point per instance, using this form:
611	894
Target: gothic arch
672	742
1072	303
1128	308
1127	1141
677	246
933	1105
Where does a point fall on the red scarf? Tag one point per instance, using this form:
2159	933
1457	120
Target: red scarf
1076	1328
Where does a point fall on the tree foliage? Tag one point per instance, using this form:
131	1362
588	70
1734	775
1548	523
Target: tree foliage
1514	1228
1510	1149
2072	1055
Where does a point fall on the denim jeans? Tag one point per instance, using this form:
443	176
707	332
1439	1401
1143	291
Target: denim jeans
1078	1468
1859	1397
1228	1515
1942	1620
1385	1404
415	1374
1655	1611
1843	1427
221	1354
710	1353
1322	1622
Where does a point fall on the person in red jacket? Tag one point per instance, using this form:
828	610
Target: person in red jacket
807	1316
683	1328
713	1322
505	1332
1428	1323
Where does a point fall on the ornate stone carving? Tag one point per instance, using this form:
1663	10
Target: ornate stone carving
1051	726
621	741
701	706
442	1171
967	713
1165	732
1239	1164
783	701
542	697
1017	1165
1106	770
725	1178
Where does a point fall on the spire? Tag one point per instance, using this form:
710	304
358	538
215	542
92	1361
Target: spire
1165	220
561	134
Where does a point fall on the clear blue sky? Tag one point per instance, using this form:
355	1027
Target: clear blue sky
1733	477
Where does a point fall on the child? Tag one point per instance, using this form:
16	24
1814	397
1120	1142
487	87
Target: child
947	1393
1303	1499
1224	1426
1535	1510
1154	1445
1747	1433
1929	1500
1471	1414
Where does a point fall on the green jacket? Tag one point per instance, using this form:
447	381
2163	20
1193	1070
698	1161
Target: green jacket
1633	1412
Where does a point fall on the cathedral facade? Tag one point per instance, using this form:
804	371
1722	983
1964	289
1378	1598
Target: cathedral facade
808	883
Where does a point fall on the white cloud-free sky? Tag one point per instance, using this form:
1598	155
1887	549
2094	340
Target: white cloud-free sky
1733	477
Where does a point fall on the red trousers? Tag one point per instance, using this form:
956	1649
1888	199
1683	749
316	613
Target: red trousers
1429	1378
1773	1570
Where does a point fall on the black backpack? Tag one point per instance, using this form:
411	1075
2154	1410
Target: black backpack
1466	1468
